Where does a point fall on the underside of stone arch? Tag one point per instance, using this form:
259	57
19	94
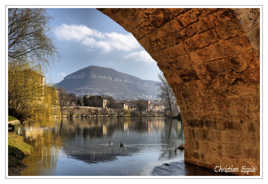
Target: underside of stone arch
210	58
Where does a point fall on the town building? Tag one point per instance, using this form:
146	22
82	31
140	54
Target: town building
155	106
98	101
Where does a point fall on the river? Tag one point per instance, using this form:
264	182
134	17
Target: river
106	147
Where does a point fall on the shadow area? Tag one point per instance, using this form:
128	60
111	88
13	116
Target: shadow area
185	169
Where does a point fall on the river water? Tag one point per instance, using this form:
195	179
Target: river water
106	147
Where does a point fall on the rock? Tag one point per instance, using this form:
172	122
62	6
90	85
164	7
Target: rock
180	168
11	127
14	122
181	147
170	169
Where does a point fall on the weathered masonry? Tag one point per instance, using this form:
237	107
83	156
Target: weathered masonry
210	58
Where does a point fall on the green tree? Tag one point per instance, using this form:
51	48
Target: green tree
28	47
25	90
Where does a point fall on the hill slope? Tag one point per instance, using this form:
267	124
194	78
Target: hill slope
95	80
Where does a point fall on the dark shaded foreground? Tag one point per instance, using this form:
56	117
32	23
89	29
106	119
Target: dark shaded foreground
184	169
15	157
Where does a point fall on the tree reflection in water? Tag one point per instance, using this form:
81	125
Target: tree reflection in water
97	141
171	138
46	145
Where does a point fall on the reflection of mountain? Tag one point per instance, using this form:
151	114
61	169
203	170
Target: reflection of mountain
98	153
93	157
88	140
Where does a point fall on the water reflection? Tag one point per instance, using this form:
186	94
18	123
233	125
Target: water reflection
92	146
46	143
172	137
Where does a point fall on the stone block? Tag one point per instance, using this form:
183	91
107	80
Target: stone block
215	76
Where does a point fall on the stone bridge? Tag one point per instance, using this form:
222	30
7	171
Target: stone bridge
211	59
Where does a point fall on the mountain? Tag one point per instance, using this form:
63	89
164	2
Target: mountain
95	80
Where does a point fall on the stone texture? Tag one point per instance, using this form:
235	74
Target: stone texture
210	58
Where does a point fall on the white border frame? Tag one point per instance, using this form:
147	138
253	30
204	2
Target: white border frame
135	177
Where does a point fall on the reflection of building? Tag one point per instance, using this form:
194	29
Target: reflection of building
125	126
155	124
33	133
104	130
159	124
179	127
149	125
44	155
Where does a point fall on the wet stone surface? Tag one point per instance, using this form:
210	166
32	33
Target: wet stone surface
170	169
183	169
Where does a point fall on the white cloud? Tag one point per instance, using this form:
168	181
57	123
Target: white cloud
75	32
140	56
95	39
107	42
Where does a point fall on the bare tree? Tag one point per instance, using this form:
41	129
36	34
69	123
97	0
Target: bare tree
27	39
167	97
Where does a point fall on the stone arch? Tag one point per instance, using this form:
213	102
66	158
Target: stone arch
210	58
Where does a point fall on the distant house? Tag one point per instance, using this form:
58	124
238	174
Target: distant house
131	107
155	106
98	101
120	105
104	103
124	106
137	105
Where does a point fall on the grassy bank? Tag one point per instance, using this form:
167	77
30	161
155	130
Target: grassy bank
11	118
17	150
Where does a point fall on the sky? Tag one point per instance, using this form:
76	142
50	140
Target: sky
85	37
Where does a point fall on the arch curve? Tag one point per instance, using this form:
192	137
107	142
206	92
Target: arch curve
210	57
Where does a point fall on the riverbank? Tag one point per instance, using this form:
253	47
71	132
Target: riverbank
73	112
17	151
13	121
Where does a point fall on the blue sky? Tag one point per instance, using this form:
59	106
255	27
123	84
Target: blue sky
87	37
